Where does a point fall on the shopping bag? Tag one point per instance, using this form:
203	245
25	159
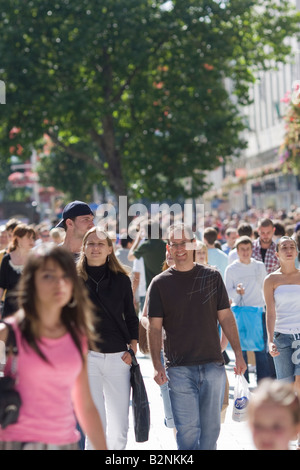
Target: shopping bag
250	327
140	403
241	399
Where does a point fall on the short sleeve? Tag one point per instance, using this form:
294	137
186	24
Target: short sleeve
222	295
155	306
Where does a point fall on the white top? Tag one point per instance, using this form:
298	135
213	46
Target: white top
252	277
232	256
139	267
287	307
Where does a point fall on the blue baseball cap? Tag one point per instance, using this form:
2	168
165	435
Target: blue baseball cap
74	209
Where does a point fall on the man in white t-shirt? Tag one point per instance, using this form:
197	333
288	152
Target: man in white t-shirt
243	229
244	280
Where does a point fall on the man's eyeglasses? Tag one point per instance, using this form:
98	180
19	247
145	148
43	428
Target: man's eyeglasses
185	244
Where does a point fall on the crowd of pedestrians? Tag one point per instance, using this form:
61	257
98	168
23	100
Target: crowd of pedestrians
75	296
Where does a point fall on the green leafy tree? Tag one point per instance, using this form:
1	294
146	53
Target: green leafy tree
135	89
72	176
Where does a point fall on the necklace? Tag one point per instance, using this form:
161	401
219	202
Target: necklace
97	283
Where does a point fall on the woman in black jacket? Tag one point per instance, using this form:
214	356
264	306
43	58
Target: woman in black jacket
109	368
23	239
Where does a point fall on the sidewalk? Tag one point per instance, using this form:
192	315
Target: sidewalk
233	435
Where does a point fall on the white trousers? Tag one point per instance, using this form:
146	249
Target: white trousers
109	379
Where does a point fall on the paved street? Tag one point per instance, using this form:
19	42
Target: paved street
233	436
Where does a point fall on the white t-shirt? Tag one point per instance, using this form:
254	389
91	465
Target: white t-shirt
252	277
232	256
138	267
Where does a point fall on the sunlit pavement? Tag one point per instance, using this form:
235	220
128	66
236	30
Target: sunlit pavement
233	435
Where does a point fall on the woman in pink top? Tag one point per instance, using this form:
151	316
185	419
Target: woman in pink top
53	327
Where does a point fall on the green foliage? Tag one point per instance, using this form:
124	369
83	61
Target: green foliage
72	176
138	87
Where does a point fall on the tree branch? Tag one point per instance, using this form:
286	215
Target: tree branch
139	67
75	153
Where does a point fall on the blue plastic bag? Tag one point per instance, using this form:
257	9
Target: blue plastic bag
250	327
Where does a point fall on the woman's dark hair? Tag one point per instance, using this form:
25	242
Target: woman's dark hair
21	231
77	316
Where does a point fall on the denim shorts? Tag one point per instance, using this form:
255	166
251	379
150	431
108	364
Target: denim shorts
287	364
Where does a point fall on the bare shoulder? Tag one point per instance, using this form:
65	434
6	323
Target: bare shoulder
273	279
10	322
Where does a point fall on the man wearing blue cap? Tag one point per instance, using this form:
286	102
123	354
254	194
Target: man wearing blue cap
77	219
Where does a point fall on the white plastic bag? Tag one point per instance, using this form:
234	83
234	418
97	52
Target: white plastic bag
241	399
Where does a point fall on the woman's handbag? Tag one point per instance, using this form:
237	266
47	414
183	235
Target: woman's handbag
140	404
10	400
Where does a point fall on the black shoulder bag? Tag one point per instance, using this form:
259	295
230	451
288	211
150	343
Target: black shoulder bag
140	403
10	400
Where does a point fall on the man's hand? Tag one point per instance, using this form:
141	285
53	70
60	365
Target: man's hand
240	289
240	365
160	376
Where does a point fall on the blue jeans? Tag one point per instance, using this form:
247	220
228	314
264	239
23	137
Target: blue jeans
197	394
287	364
142	302
262	365
81	442
264	361
164	393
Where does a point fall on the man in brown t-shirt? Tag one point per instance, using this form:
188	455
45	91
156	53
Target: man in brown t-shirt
190	301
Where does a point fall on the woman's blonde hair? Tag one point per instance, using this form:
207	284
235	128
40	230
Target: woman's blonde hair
201	246
278	393
112	262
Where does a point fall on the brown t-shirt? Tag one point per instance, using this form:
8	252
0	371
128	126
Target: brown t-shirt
188	302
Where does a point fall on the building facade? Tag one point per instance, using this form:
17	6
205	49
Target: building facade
256	179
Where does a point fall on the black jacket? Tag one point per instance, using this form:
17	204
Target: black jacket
117	322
